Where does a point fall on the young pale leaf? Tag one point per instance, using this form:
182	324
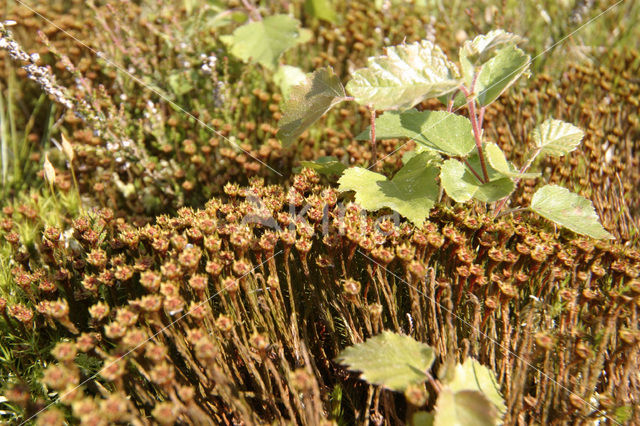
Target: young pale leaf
500	72
482	47
464	408
473	376
567	209
557	138
321	9
287	77
328	166
439	130
477	51
389	359
412	192
461	185
265	41
499	162
404	77
320	91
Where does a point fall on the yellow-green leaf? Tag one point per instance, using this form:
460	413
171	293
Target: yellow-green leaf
412	192
266	40
471	375
567	209
461	185
500	72
499	162
389	359
464	408
439	130
557	138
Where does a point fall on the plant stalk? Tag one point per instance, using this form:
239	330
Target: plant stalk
374	153
524	169
477	132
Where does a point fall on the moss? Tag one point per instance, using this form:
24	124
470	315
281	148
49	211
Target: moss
234	307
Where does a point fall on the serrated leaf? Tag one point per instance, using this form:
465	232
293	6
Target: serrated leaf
500	72
473	376
464	408
567	209
499	162
557	138
266	40
404	77
326	166
320	91
321	9
287	77
482	47
412	192
389	359
477	51
461	185
439	130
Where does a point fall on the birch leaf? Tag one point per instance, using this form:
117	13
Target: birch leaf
439	130
557	138
500	72
320	91
404	77
412	192
567	209
499	162
389	359
461	185
266	40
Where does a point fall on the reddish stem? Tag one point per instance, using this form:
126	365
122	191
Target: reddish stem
374	153
466	163
471	105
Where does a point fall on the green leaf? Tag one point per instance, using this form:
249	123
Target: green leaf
265	41
309	101
557	138
433	155
473	376
412	192
439	130
389	359
464	408
499	162
321	9
404	77
461	185
422	418
567	209
500	72
477	51
482	47
326	166
287	76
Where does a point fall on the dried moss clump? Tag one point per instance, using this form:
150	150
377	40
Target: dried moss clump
215	314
